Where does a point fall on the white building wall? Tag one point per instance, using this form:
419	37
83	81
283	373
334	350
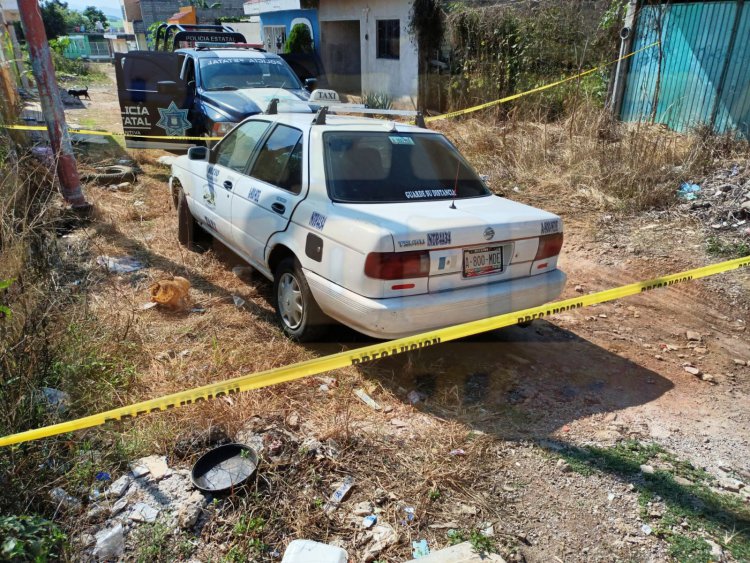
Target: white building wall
398	78
251	29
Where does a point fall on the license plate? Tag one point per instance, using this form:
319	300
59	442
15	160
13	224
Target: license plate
483	261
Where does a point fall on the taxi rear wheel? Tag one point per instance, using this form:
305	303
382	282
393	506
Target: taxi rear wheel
299	315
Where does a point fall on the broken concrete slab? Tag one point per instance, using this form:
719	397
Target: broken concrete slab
156	465
142	512
119	487
460	553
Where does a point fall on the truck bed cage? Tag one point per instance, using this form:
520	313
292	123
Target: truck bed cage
168	36
213	46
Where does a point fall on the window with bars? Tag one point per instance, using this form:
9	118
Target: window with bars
388	38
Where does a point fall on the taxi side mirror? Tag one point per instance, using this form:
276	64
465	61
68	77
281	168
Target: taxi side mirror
166	87
310	84
197	153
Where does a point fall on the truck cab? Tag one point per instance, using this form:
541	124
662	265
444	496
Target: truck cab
170	97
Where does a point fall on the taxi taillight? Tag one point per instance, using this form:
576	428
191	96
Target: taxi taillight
549	246
397	265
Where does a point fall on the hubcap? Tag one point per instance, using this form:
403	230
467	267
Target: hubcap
291	306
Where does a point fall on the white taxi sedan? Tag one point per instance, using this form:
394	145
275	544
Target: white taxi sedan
379	225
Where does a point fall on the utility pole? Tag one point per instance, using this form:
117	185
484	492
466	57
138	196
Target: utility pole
627	35
52	107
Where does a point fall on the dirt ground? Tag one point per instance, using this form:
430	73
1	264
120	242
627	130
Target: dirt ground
512	399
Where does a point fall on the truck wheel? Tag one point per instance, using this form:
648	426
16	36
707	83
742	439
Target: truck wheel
299	314
189	233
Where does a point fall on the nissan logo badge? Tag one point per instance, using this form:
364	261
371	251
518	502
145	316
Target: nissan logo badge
489	233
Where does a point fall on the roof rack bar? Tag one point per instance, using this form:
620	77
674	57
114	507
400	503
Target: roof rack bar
273	107
320	117
356	108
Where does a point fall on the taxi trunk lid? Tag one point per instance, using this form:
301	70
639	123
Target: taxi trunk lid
469	241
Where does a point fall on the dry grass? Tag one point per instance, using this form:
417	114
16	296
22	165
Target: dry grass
172	351
115	353
588	159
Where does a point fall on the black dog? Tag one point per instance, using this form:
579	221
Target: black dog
78	93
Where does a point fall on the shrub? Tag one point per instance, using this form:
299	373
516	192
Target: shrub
299	40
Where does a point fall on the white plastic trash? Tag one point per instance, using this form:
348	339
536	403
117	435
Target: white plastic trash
308	551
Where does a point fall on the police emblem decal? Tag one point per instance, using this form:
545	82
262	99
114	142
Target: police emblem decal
173	120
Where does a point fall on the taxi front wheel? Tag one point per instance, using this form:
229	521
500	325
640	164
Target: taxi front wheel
189	233
298	313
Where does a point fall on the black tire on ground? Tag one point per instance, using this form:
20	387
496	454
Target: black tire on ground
112	175
189	233
299	315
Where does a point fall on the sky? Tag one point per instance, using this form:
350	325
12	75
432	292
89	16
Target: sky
109	7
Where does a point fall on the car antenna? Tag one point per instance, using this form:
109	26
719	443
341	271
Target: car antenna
455	185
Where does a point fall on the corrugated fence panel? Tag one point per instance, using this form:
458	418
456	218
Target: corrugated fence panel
696	65
733	111
696	47
638	98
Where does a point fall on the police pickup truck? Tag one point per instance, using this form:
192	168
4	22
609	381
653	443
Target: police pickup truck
203	91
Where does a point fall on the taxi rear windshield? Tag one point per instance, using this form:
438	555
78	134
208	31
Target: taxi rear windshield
375	167
228	73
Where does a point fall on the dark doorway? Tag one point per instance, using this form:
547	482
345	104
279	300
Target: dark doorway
341	53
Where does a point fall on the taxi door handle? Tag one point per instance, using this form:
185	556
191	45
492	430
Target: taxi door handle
227	184
278	207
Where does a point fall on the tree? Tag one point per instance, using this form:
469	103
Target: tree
94	14
299	40
53	16
59	19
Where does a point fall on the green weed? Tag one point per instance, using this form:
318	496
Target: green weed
722	517
157	542
726	249
30	538
482	544
377	100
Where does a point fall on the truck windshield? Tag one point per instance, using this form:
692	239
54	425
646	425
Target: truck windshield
227	73
374	167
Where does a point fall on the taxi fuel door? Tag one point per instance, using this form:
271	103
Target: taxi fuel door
153	100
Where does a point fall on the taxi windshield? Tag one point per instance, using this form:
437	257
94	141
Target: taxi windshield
375	167
226	73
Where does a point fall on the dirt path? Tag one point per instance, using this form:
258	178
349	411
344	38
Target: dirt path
512	399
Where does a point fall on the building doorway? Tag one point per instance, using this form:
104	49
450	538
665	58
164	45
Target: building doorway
341	53
274	38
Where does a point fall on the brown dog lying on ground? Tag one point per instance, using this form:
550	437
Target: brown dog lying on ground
77	93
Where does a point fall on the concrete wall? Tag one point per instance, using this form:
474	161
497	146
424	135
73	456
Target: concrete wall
161	10
251	29
398	78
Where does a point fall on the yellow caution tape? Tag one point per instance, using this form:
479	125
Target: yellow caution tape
110	134
366	354
534	90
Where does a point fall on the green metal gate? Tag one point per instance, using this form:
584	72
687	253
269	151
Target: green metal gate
700	74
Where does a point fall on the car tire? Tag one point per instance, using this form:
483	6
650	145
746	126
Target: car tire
299	315
111	174
189	233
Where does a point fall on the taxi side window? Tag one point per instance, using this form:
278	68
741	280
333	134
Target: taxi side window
237	147
279	162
